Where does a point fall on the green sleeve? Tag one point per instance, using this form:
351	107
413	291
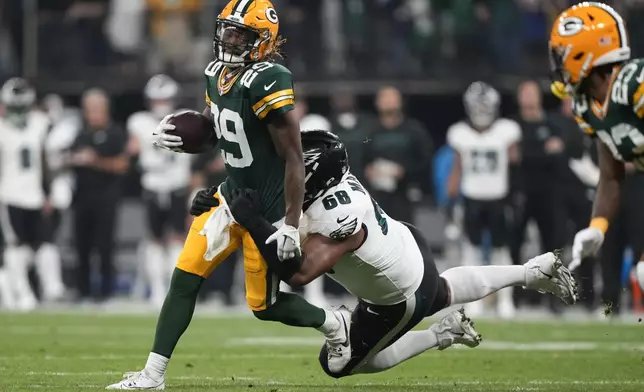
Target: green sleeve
271	91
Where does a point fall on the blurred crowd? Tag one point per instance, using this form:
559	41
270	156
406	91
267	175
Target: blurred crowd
96	40
115	217
108	175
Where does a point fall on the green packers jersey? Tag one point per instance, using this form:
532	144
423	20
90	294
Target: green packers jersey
620	123
241	107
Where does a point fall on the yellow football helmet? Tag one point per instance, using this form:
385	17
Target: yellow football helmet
585	36
246	32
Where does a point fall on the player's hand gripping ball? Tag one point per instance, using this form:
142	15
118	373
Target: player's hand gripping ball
188	131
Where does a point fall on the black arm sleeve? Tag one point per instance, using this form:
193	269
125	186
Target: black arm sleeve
260	229
46	174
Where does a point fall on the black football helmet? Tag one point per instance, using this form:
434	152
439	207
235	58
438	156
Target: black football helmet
325	162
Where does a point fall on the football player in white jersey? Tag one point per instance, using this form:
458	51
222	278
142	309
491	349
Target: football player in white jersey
23	185
485	147
383	262
165	179
65	124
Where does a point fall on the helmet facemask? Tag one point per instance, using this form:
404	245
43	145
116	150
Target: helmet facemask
562	80
481	105
18	98
161	92
236	44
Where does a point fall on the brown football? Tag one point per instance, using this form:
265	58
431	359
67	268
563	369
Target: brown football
195	129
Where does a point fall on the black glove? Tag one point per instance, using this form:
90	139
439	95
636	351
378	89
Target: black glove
204	200
245	207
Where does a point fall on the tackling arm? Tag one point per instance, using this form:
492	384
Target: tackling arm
285	133
320	254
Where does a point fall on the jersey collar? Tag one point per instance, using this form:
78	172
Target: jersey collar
227	79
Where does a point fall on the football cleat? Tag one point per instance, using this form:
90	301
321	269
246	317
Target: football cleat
547	274
138	381
339	346
456	328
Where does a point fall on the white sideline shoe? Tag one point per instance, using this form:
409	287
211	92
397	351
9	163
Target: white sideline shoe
547	274
456	328
138	381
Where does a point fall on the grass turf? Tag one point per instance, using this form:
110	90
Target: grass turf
80	352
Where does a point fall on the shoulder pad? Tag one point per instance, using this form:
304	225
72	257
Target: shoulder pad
454	133
213	68
261	75
339	213
270	88
636	86
627	83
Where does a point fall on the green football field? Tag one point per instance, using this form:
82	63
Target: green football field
47	352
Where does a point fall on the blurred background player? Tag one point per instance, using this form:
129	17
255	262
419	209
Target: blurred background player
485	146
99	162
165	180
64	126
23	190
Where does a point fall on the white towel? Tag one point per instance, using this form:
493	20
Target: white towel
217	230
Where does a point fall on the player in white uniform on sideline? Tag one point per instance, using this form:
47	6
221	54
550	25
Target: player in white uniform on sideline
383	262
65	124
165	179
22	187
485	147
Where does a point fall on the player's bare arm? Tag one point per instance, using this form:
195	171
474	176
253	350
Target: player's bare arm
116	165
611	176
320	254
514	154
285	132
133	147
454	180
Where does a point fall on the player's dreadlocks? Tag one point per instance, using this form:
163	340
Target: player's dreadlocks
276	53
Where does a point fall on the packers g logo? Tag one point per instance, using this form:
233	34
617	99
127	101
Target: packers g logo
271	15
570	26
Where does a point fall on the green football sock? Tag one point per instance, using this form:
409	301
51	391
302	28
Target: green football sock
176	312
291	309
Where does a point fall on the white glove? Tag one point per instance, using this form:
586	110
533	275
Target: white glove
587	242
165	140
288	242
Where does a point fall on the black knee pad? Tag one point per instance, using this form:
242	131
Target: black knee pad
325	364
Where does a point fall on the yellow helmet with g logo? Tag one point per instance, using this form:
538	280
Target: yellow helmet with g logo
246	32
583	37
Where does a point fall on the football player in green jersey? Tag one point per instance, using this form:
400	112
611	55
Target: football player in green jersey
250	99
591	59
